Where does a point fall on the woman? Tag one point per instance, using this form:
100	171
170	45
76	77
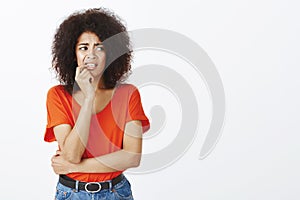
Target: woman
95	117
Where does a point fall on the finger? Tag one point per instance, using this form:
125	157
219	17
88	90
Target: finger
79	70
55	171
84	74
58	152
53	159
82	69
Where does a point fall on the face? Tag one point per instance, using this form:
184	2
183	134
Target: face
90	53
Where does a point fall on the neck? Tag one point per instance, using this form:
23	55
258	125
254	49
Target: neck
98	84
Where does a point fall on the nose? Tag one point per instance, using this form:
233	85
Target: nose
90	56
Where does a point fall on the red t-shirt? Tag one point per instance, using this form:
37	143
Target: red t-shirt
107	126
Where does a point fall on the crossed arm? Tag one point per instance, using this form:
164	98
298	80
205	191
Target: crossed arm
68	159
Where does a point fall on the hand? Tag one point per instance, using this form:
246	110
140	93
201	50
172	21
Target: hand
84	80
60	165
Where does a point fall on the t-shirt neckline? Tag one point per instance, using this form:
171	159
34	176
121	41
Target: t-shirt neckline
104	108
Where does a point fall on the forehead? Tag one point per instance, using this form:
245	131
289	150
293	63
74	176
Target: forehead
88	37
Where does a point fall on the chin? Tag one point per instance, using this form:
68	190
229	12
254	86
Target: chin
96	74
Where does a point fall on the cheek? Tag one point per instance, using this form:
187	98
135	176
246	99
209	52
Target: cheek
79	59
102	57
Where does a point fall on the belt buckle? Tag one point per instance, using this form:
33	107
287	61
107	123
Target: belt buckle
96	183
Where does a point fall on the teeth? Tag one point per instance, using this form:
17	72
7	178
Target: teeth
90	65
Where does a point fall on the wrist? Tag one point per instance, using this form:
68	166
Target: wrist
89	99
73	168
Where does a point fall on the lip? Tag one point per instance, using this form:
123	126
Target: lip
90	65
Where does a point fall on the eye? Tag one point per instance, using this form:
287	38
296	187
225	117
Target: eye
83	48
99	48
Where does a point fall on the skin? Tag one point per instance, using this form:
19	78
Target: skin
90	56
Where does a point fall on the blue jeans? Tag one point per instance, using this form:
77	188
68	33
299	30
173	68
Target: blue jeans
121	191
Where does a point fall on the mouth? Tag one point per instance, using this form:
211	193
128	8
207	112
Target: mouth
90	66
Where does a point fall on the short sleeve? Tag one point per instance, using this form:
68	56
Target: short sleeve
136	111
56	113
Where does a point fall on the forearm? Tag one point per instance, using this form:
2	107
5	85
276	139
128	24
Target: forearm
116	161
75	143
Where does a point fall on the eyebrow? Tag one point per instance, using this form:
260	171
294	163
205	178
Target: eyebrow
96	44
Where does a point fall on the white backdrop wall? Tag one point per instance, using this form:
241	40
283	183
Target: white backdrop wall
255	47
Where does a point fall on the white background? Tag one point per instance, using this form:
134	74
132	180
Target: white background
255	47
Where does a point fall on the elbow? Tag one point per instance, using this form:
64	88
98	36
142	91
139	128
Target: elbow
71	155
72	158
135	160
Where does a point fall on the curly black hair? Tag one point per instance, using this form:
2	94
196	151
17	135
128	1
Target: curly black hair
111	31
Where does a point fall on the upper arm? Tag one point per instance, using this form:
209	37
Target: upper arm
135	111
61	132
58	113
133	133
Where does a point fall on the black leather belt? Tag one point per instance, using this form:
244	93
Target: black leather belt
91	187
